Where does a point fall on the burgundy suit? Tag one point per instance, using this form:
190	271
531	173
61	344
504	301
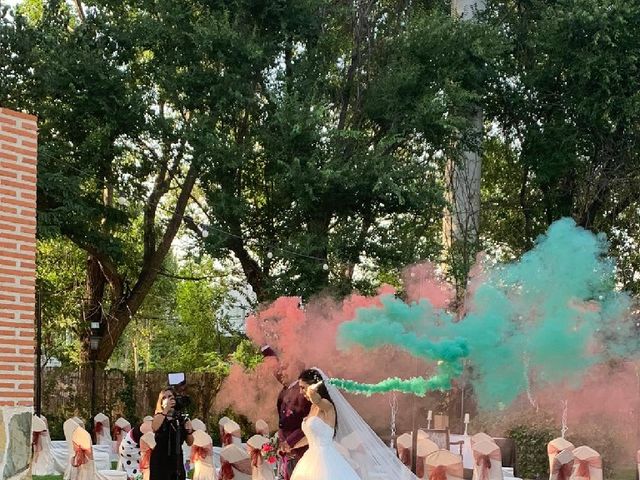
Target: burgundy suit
292	408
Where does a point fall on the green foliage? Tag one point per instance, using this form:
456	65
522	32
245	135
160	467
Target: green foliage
531	449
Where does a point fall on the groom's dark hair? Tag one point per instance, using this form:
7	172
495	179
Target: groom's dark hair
311	376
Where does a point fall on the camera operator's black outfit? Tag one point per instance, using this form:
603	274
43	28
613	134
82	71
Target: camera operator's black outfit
167	462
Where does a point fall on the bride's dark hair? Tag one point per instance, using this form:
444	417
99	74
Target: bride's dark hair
312	376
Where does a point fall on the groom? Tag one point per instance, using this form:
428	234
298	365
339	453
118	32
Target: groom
292	408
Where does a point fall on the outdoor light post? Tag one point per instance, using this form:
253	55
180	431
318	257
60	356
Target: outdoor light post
94	343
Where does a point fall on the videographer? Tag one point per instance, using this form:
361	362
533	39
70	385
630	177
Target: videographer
172	428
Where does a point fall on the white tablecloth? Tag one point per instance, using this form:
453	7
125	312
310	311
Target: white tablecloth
60	451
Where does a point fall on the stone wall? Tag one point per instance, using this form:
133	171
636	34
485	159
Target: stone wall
18	157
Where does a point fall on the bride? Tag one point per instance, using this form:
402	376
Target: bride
333	424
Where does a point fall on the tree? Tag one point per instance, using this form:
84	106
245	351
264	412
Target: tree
129	114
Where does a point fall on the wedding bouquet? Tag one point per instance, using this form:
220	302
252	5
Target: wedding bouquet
270	450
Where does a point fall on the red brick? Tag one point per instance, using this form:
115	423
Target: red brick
8	138
6	209
28	248
8	174
9	315
25	184
10	298
20	341
21	132
29	144
8	386
18	220
8	368
19	203
25	290
29	178
16	114
28	152
25	333
16	394
17	167
26	386
13	306
8	156
26	403
27	281
11	376
29	160
7	227
26	368
7	121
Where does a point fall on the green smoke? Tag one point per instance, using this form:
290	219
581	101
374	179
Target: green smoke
417	385
532	323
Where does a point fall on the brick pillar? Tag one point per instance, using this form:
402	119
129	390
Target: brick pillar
18	157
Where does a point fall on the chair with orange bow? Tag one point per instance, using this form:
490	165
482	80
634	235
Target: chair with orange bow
231	433
202	456
42	462
555	446
102	429
587	464
83	466
260	468
403	448
147	444
444	465
235	464
262	428
562	465
487	461
221	423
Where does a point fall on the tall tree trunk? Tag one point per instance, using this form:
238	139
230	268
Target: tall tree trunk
461	224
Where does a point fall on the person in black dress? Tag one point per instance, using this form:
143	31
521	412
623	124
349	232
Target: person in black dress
171	431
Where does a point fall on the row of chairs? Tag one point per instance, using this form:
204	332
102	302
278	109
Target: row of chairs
566	462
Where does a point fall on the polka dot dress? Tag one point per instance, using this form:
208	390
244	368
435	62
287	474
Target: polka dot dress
129	456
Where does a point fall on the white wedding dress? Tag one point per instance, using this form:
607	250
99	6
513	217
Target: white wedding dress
322	461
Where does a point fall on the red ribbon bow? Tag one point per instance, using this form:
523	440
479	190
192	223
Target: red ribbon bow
438	473
256	456
420	466
98	428
226	471
35	440
81	456
484	462
563	472
145	456
199	452
584	466
404	454
117	431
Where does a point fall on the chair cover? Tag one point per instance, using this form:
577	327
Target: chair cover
221	424
79	421
425	447
587	464
444	465
202	456
235	464
262	428
260	469
556	446
68	427
198	424
487	461
102	429
147	444
231	434
562	465
480	437
43	462
403	448
83	466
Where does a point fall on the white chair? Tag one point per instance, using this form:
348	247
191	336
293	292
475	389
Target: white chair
42	462
562	465
147	444
221	424
587	464
425	447
232	434
480	437
235	464
202	456
79	421
260	470
102	429
444	465
487	463
83	466
198	424
403	448
262	428
555	446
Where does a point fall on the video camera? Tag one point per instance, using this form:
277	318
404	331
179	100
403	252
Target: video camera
179	382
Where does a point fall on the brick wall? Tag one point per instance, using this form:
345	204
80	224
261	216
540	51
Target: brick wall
18	150
18	156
